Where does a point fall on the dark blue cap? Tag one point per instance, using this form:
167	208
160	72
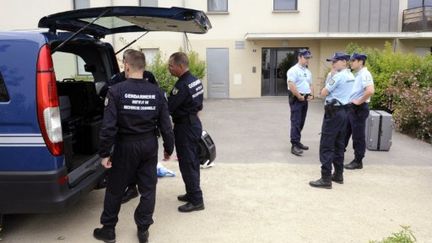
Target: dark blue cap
305	53
338	56
358	56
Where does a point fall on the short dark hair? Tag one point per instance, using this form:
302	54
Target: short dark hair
127	52
135	59
180	58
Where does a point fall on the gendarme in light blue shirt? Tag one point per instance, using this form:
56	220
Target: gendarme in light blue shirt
301	77
363	78
340	87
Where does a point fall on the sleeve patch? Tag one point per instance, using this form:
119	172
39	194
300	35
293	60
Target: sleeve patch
175	91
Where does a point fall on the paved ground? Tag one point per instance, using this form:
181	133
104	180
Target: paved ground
258	191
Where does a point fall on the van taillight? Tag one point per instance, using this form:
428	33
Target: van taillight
47	102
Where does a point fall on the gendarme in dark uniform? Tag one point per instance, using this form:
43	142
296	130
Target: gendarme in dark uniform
359	110
332	144
185	101
299	80
134	109
131	191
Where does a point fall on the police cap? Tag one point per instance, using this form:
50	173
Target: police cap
338	56
358	56
305	53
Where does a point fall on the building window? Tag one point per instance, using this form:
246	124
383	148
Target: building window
150	55
78	4
419	3
283	5
217	5
4	96
148	3
423	51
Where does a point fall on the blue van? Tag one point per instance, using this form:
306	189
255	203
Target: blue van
49	125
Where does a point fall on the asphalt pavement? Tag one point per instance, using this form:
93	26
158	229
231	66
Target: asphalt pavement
258	191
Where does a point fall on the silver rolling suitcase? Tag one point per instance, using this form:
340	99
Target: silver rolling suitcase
379	128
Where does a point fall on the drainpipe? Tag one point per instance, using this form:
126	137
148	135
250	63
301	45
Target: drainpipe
424	20
395	44
183	2
112	24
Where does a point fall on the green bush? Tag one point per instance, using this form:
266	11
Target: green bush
411	104
159	68
384	63
403	236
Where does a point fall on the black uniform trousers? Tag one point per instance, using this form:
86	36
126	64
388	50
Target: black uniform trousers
187	136
332	140
357	115
132	160
298	118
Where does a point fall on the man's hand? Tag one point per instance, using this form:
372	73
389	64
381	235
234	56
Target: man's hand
301	98
310	97
166	156
356	102
106	162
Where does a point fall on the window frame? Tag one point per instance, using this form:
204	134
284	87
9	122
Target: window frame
285	10
217	11
420	4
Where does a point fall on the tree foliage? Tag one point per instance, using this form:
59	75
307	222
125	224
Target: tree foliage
166	81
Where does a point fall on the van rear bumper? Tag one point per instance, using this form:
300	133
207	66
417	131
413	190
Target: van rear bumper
43	192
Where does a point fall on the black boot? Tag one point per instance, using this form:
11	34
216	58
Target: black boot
355	164
183	198
296	150
189	207
303	147
337	177
143	235
323	182
106	234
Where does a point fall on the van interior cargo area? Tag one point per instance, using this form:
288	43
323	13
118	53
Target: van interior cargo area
81	111
81	106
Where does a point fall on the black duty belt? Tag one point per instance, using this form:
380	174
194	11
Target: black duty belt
338	107
186	119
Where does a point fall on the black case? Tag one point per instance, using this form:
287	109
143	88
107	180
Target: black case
207	149
88	136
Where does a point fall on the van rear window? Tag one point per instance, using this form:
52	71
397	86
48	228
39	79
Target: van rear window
4	96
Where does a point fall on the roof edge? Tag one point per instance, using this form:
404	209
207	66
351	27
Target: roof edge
338	35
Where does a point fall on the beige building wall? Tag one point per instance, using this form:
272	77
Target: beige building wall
228	28
24	14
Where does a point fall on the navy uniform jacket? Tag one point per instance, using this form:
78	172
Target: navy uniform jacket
120	77
186	98
133	109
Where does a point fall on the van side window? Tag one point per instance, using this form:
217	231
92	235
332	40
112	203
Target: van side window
4	96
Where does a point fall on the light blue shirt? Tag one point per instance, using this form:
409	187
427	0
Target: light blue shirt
340	87
363	78
301	77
